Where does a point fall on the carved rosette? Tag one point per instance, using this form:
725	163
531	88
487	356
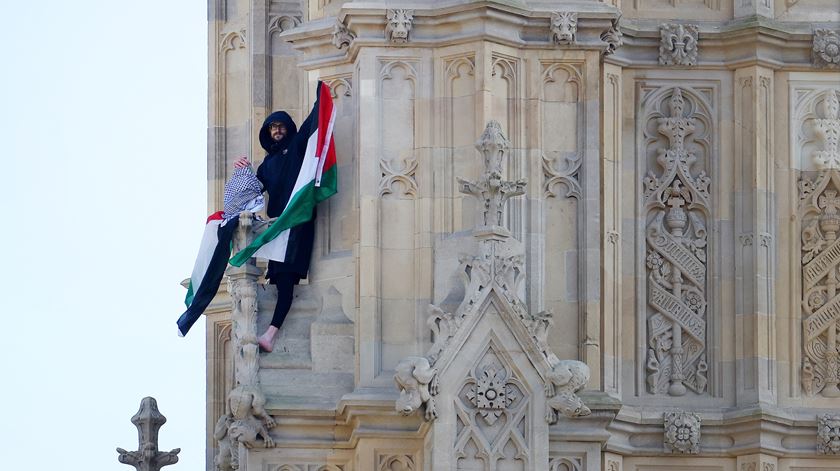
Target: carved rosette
825	50
492	412
398	24
682	432
678	44
828	434
677	204
564	27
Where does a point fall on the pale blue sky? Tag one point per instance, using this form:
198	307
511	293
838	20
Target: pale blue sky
103	116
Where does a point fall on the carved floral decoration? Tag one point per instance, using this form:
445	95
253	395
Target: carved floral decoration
678	44
677	205
828	434
682	432
826	48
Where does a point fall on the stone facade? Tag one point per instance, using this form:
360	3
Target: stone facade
580	236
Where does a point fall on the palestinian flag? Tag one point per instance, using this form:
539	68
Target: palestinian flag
208	270
316	181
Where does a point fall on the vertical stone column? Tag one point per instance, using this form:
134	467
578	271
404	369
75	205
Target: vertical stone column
755	210
611	276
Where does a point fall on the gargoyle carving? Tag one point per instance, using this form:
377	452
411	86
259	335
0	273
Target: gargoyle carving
566	378
564	27
418	384
443	326
247	419
398	25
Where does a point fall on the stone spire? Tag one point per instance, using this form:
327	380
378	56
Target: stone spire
148	421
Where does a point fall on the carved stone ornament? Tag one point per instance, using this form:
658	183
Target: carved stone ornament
678	44
148	421
418	384
565	177
821	300
491	189
566	378
342	36
491	407
828	434
246	421
826	48
682	432
613	38
398	25
677	205
564	27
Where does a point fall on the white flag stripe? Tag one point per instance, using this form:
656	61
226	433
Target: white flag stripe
276	248
322	158
209	241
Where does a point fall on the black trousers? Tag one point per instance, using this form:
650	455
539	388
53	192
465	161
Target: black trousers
285	283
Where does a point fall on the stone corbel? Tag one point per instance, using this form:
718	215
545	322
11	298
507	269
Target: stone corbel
682	432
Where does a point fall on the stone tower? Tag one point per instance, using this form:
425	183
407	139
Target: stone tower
633	267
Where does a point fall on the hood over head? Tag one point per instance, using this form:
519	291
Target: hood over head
265	136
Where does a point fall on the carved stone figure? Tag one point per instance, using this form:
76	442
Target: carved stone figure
566	378
342	36
564	27
613	37
246	421
418	384
682	432
677	202
678	44
399	24
828	434
826	48
148	421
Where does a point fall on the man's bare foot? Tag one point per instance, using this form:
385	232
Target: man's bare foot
266	345
266	340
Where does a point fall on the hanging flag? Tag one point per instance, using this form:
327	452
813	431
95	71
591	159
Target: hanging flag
317	180
209	268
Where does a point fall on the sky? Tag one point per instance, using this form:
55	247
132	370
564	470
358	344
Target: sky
103	118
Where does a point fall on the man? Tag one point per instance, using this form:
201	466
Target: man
278	173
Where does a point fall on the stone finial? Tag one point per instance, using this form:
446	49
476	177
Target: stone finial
678	44
828	434
342	36
682	432
148	421
490	188
826	48
417	381
613	38
398	25
564	27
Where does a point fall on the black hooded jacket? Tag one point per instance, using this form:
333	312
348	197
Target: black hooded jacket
278	173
